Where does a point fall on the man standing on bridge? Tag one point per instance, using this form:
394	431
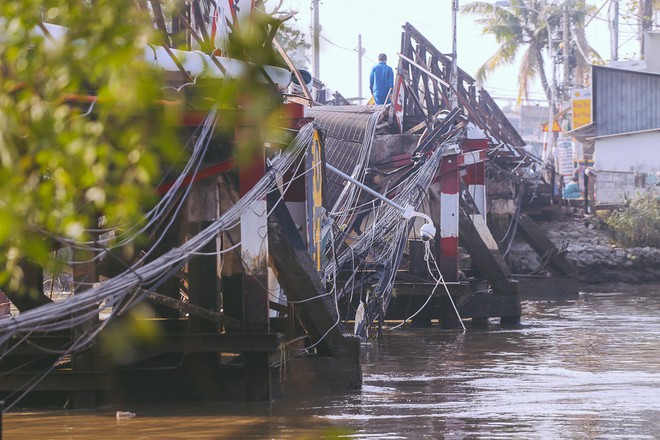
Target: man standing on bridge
381	80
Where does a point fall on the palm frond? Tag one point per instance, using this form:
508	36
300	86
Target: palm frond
529	69
525	24
506	54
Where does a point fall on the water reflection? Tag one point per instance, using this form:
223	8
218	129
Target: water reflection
585	368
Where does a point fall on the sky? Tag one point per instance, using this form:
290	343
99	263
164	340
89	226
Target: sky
380	24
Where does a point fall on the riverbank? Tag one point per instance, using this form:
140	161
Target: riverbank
589	247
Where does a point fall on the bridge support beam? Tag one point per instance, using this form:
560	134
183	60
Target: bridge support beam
254	256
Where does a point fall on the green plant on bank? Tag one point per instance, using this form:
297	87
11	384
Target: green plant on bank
637	224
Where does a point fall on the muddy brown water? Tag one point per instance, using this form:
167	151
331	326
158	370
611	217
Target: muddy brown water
581	368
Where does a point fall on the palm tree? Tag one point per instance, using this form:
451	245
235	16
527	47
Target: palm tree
515	27
523	24
578	12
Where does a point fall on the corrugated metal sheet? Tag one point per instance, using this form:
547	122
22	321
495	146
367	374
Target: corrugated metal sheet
347	135
625	101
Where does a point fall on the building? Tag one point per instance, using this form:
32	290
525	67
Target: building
625	129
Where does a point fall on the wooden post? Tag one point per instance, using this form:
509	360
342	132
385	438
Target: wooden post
337	363
542	245
298	275
254	253
587	208
201	209
84	276
232	271
168	239
5	305
30	294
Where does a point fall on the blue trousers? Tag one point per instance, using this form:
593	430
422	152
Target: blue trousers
380	100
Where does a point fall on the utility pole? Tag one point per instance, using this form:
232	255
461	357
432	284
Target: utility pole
316	32
566	52
454	53
614	30
360	54
550	144
645	23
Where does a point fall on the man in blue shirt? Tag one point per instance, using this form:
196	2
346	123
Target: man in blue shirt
381	80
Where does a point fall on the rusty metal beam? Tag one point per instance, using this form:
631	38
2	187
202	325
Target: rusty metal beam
430	108
194	310
300	280
539	241
421	39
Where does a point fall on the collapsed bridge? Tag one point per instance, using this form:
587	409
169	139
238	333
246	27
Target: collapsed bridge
255	265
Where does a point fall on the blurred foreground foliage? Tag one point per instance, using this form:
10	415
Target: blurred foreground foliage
66	158
637	224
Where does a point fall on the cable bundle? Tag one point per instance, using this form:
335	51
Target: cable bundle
136	283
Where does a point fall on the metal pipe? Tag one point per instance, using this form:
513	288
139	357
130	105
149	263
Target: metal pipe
365	187
454	55
316	47
360	53
427	231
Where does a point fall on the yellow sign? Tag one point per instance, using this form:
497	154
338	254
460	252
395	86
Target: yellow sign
581	106
555	127
315	199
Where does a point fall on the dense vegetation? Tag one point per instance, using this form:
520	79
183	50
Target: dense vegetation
637	224
80	129
87	127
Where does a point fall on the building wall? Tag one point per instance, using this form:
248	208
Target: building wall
629	153
652	49
626	165
625	101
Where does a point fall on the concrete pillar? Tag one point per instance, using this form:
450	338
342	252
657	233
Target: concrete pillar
449	205
475	178
474	162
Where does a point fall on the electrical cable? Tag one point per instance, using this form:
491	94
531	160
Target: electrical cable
82	307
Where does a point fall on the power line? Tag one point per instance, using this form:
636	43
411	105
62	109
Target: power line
337	45
348	49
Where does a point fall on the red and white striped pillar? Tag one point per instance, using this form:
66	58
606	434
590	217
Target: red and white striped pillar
296	196
449	203
473	171
475	179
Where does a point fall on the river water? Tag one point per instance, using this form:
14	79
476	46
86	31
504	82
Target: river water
587	367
